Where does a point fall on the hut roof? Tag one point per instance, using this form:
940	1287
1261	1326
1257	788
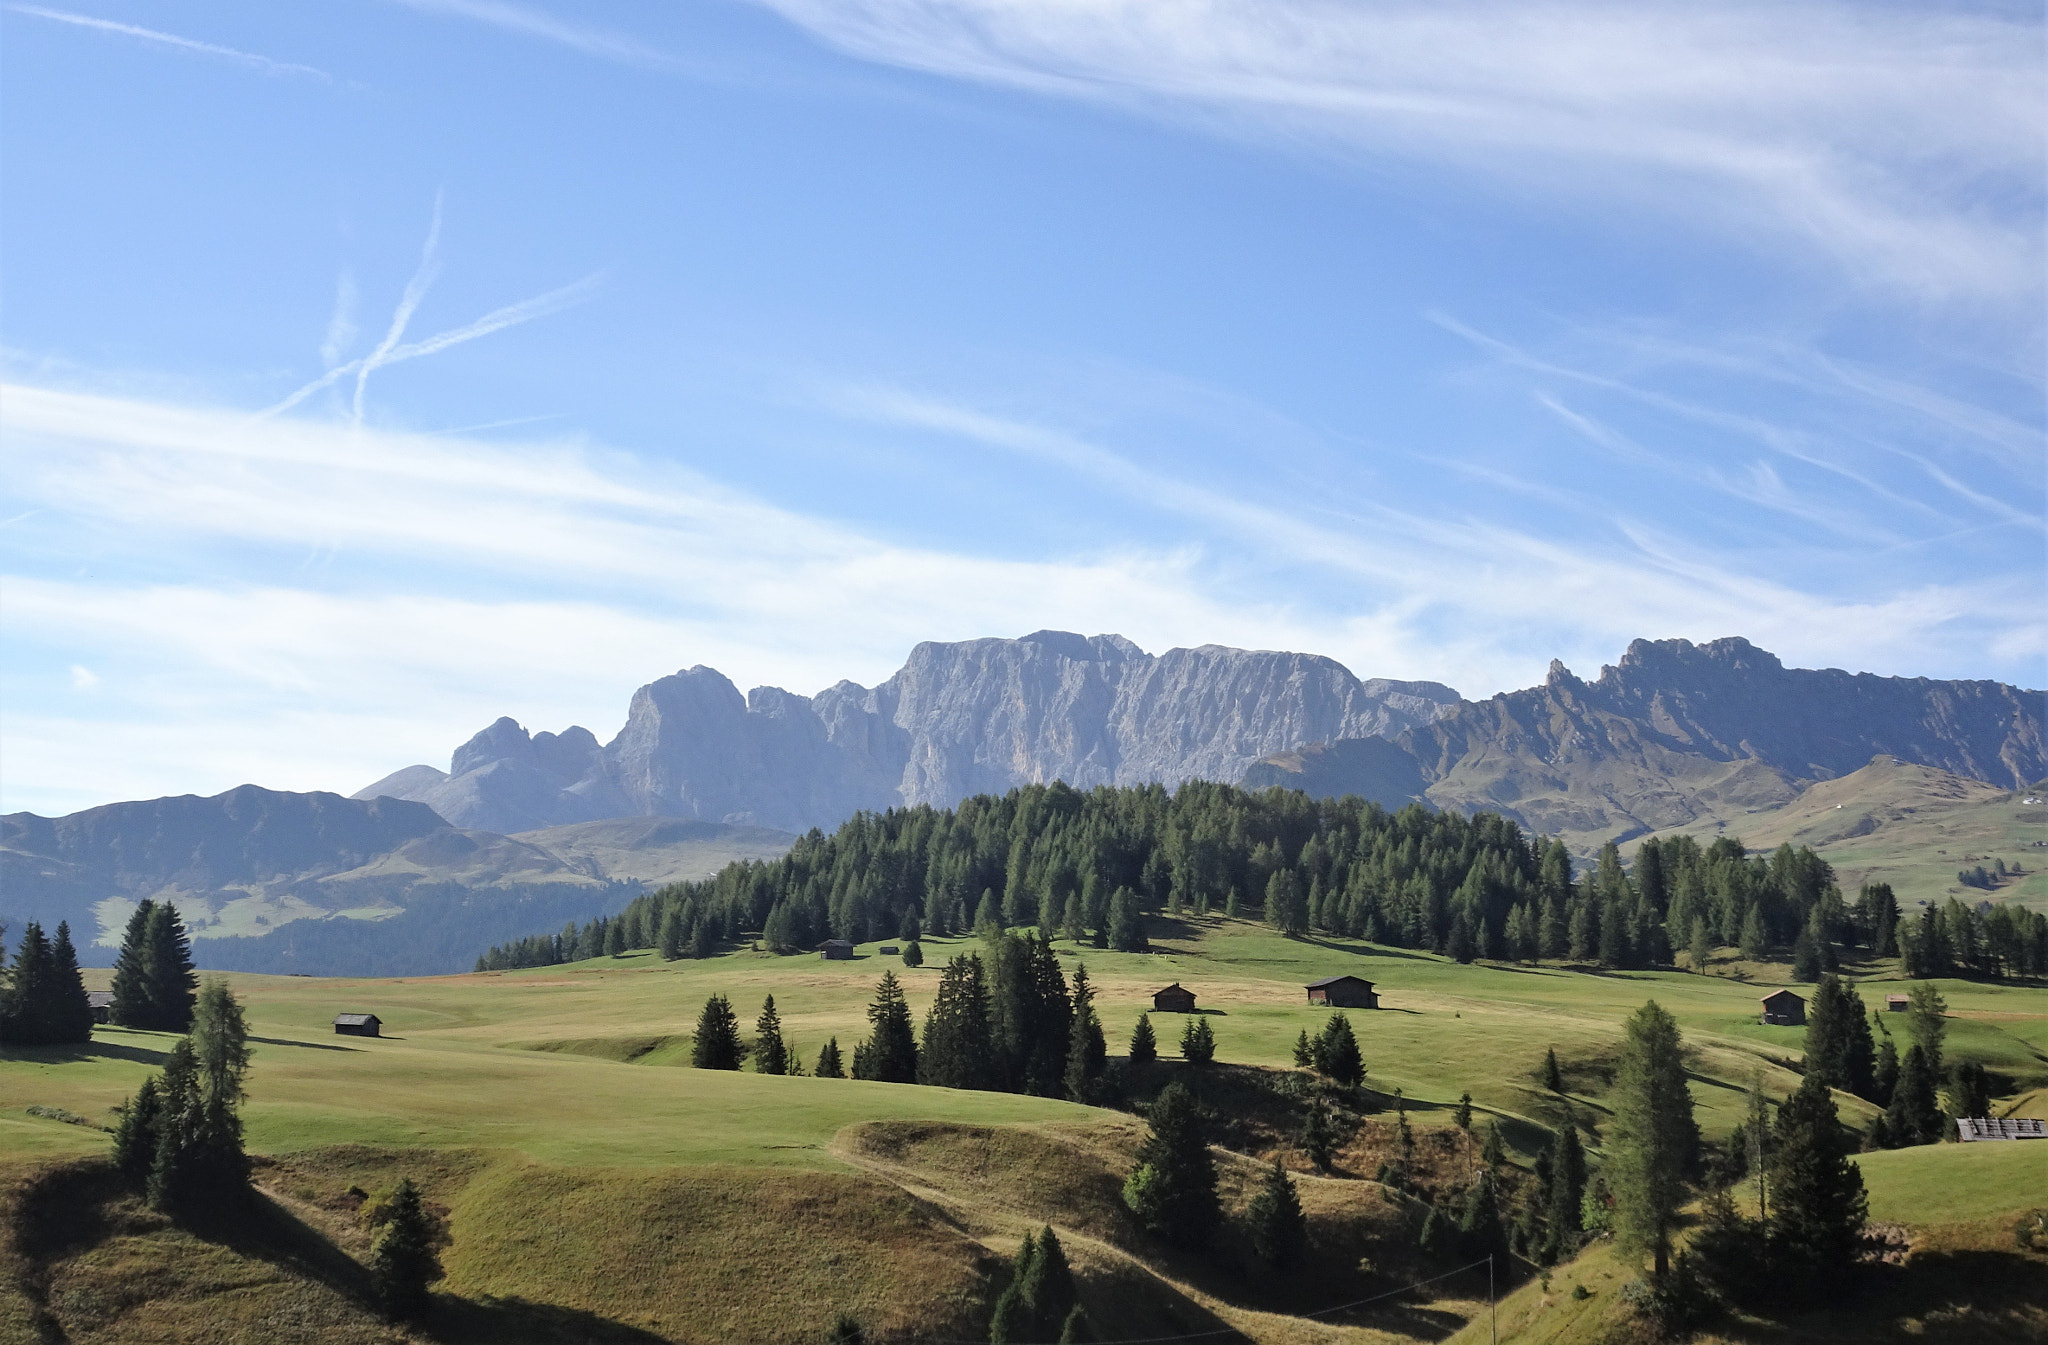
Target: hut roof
1782	994
100	999
1332	980
356	1019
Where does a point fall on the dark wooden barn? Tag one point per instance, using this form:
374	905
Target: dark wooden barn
358	1025
1343	992
102	1004
1176	998
836	950
1782	1008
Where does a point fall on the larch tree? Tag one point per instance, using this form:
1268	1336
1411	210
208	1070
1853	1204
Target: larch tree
1653	1137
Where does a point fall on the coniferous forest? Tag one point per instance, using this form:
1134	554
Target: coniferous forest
1093	866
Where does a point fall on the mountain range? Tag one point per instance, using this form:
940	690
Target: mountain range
422	869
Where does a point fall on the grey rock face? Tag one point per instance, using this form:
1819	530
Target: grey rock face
956	720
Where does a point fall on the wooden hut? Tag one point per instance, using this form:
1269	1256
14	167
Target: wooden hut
1896	1003
1343	992
1782	1008
836	950
101	1002
1175	998
889	950
358	1025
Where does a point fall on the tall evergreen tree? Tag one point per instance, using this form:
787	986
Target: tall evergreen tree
889	1055
1914	1116
1319	1135
1087	1051
771	1056
830	1066
1480	1230
70	1009
1553	1077
717	1043
1567	1192
671	935
27	998
1653	1137
131	1005
135	1139
1818	1202
173	981
1126	923
1927	1020
1838	1045
957	1050
1172	1191
1198	1042
1277	1228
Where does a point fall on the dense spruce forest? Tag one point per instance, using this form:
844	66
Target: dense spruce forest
1093	866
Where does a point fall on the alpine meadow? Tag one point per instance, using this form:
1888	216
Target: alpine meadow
758	672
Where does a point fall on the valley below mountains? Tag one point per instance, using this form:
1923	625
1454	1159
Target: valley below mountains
421	870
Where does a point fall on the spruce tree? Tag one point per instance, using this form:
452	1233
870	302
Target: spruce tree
1838	1046
1480	1231
1087	1051
1914	1116
1819	1206
1172	1191
889	1055
173	982
717	1043
1653	1136
1970	1086
1336	1052
1277	1228
913	954
1198	1042
1567	1191
1493	1152
770	1055
958	1052
1319	1135
830	1066
1462	1116
130	1007
1144	1045
70	1010
1553	1077
174	1181
1304	1050
1885	1078
1075	1330
26	1002
1046	1285
135	1139
402	1258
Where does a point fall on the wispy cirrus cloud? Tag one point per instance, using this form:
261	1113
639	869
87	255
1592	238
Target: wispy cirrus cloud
185	44
527	21
1905	141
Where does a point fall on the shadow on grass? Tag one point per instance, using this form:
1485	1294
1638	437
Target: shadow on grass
312	1045
487	1321
94	1050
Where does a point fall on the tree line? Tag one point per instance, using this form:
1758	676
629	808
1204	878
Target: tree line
1094	866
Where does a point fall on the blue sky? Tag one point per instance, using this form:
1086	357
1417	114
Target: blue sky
375	368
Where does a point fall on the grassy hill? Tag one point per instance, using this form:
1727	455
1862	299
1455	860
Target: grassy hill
1911	826
598	1190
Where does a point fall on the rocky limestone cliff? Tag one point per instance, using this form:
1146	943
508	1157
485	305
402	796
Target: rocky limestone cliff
1676	734
957	719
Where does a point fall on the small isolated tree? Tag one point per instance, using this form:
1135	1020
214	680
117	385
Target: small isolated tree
770	1055
1319	1136
1463	1115
1198	1042
1818	1205
717	1044
1304	1050
1553	1077
1144	1045
1336	1052
1172	1191
913	954
1653	1136
829	1064
1274	1221
402	1258
1040	1297
846	1331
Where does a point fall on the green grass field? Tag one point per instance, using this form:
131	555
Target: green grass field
572	1080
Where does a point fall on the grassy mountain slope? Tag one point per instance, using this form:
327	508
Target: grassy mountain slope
597	1191
1911	826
